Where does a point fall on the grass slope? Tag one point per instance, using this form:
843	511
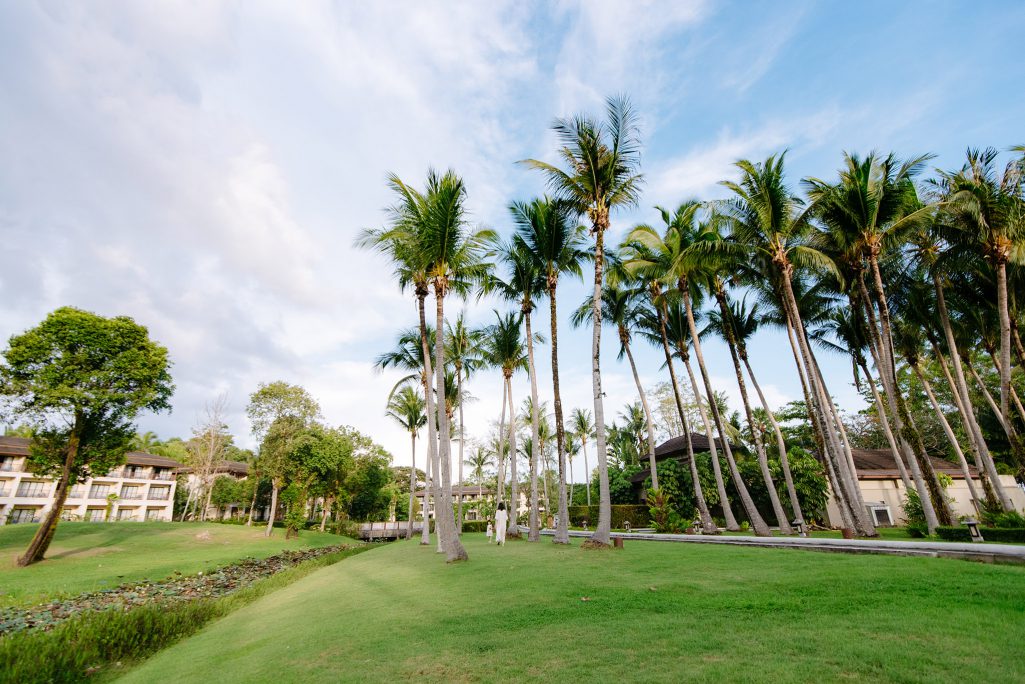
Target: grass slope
655	612
91	556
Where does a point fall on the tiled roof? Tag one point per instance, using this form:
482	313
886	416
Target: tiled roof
878	464
19	446
14	446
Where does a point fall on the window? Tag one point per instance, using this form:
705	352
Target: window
134	472
126	514
131	492
99	491
159	493
96	514
77	492
32	488
881	516
4	489
69	513
6	464
22	515
154	514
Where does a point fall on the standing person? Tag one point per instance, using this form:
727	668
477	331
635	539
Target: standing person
490	531
501	522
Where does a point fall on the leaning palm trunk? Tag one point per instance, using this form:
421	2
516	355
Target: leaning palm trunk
432	414
443	510
905	423
562	531
757	522
763	459
513	529
884	422
624	336
1014	393
534	533
961	385
951	437
604	526
781	446
828	420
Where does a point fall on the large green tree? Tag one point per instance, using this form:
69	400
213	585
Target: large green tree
80	380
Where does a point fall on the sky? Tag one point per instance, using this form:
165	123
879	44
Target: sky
205	167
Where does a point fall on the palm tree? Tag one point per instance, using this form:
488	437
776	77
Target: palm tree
583	427
523	286
407	408
145	441
503	348
766	222
602	159
990	214
479	462
679	257
547	232
725	326
464	352
621	308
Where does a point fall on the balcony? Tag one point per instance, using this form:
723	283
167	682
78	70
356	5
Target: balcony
7	465
131	496
33	490
163	476
159	496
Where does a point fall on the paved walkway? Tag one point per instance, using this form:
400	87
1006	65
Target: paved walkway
986	553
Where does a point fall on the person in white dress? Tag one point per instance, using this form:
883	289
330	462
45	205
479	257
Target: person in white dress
491	530
501	522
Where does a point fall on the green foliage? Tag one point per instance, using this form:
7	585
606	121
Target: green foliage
475	526
79	647
664	517
912	506
1011	535
1007	519
954	534
639	516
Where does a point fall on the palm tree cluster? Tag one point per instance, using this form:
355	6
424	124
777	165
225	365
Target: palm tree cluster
877	259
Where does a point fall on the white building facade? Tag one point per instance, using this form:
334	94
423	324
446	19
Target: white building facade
142	489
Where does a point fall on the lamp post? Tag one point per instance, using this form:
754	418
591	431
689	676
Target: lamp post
973	529
798	524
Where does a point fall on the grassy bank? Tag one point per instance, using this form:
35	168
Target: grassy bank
651	612
93	556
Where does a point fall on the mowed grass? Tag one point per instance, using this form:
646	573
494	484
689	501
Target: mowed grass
652	612
92	556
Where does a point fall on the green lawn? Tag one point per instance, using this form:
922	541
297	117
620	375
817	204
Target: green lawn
90	556
653	612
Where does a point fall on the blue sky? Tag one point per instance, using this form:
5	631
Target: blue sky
204	167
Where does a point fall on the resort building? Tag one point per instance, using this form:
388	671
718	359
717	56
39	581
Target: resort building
884	492
141	489
235	469
471	494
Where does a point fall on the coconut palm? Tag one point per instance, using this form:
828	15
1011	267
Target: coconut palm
601	174
767	223
679	257
547	231
408	409
464	353
990	215
503	348
621	308
523	285
583	427
479	462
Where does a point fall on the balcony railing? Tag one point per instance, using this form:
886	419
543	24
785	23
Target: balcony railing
131	495
159	496
164	477
32	490
7	465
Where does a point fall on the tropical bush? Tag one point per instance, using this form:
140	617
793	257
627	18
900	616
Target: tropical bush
637	515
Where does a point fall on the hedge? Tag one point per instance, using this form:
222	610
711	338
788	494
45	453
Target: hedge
637	515
475	526
955	534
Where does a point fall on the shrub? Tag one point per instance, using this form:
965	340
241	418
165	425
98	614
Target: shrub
918	529
637	515
1004	534
663	517
955	534
1010	519
475	526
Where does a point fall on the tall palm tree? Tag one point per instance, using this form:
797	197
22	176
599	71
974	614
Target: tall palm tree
408	409
547	231
479	462
621	309
523	286
502	345
464	352
990	213
145	441
767	222
583	427
602	159
679	257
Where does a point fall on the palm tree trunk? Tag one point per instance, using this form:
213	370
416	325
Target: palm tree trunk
446	521
412	488
763	459
781	446
604	526
757	522
462	438
951	437
961	384
513	529
647	411
432	424
1005	340
534	533
275	488
1014	393
587	468
500	472
884	422
828	419
562	532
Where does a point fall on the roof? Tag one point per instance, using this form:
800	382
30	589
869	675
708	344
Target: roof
463	489
19	446
232	467
676	447
879	464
